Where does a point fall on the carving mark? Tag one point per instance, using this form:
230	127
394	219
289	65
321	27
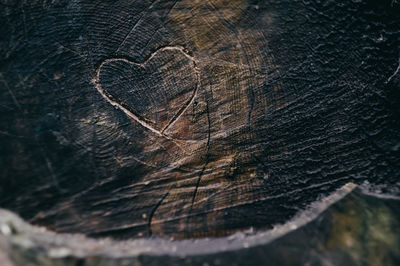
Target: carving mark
130	113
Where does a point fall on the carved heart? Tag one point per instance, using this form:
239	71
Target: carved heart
156	92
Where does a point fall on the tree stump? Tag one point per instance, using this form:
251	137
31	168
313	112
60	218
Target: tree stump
191	119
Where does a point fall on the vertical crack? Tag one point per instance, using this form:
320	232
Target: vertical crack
395	73
205	164
153	211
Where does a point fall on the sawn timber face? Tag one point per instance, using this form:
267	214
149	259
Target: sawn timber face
192	118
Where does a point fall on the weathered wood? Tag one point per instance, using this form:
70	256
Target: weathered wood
346	228
193	118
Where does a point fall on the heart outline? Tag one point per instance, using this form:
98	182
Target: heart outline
132	114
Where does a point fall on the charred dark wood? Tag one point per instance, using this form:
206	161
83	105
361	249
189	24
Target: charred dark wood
348	227
193	118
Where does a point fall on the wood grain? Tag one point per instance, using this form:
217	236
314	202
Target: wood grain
193	118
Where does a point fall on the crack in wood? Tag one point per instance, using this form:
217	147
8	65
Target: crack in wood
395	73
350	186
153	211
144	12
205	164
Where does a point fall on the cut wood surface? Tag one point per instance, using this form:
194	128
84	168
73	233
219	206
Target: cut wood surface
193	118
349	227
